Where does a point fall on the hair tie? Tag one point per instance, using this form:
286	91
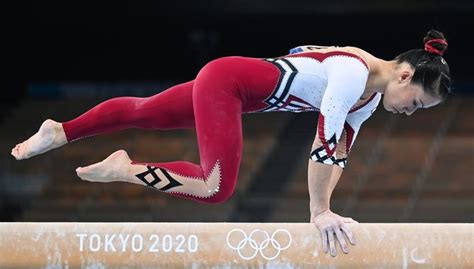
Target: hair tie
429	48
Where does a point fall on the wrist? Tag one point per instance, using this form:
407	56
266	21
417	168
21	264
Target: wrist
317	214
318	209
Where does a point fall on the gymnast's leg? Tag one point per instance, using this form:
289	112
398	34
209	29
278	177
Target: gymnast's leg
171	109
217	111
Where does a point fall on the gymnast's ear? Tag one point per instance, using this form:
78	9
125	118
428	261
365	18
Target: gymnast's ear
405	76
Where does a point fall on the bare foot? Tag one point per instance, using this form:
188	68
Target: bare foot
115	168
50	135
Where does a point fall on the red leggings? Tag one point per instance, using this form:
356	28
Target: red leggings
212	103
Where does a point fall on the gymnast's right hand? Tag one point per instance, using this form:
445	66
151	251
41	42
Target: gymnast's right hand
330	224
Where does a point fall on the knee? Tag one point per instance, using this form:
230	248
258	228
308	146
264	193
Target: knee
221	196
217	66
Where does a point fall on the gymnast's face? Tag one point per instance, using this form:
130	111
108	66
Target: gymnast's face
402	96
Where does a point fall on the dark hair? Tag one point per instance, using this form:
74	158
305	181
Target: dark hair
431	70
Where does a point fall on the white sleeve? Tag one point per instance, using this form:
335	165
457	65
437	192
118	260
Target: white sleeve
355	119
352	126
346	79
306	48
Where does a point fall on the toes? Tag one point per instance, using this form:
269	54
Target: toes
16	152
81	173
87	173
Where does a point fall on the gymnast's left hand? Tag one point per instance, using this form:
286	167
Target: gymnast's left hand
330	224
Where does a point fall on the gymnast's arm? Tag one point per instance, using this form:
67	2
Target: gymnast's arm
335	176
322	179
308	48
318	205
346	83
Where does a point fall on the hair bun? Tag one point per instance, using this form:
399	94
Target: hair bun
435	42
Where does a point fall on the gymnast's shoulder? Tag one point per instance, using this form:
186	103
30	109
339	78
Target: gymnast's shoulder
370	59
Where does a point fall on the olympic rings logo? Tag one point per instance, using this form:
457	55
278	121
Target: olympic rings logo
251	241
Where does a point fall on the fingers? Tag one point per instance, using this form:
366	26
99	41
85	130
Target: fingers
342	240
332	245
324	239
333	227
328	239
348	233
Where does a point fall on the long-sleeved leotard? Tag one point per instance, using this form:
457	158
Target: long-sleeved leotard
331	83
213	102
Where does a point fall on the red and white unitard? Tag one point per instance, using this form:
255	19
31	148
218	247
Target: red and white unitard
214	101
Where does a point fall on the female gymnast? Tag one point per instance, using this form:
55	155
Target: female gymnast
345	84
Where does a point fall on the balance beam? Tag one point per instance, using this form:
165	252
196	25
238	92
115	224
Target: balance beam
230	245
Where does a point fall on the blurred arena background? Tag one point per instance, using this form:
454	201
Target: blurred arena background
61	58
